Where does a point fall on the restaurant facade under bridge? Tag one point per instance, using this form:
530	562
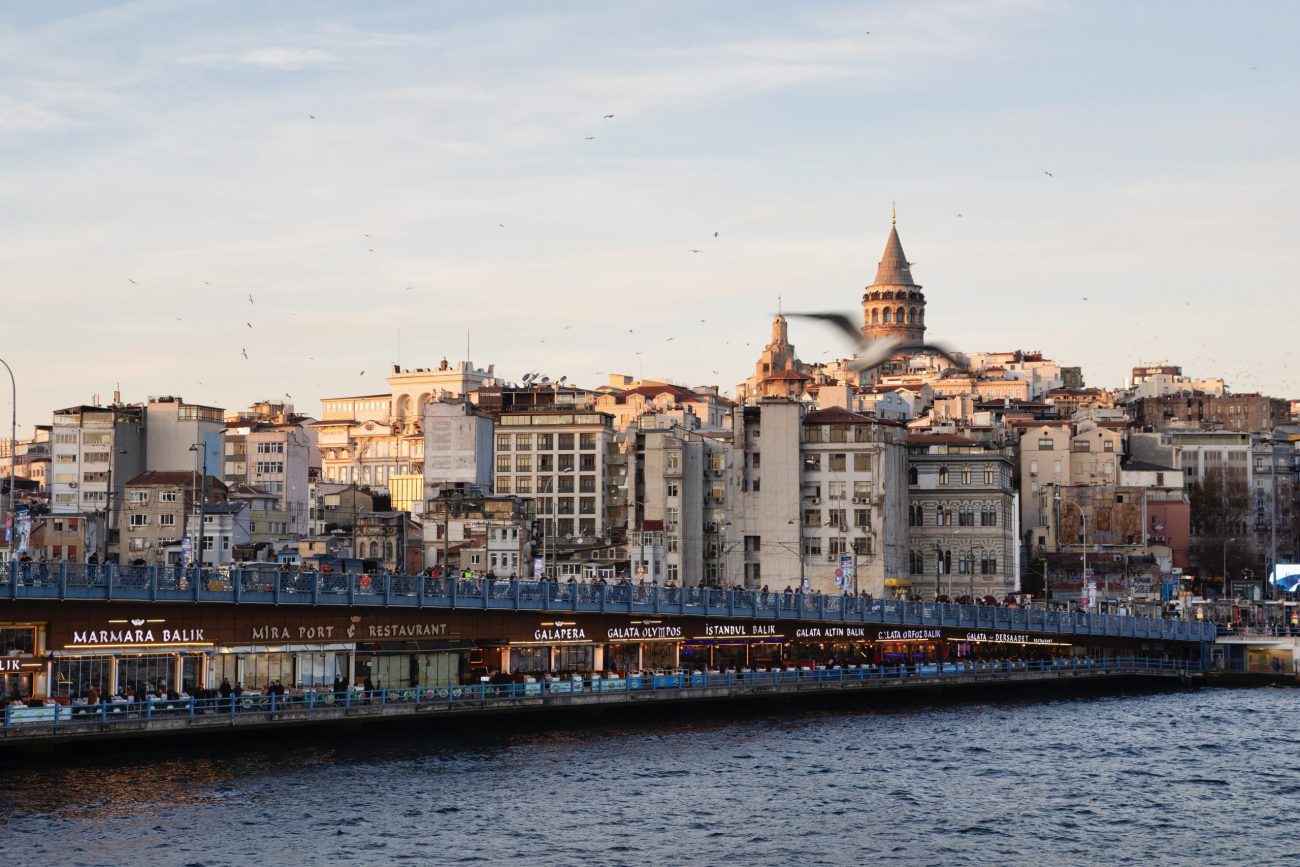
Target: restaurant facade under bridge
62	648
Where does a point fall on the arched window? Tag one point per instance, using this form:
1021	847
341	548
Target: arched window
965	475
901	316
388	550
943	475
964	563
989	563
946	562
374	550
885	316
911	315
875	316
912	476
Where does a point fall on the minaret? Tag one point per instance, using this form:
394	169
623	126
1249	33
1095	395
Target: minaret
894	306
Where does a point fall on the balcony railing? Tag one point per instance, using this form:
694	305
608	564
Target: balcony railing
74	581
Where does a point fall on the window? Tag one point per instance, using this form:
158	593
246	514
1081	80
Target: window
989	516
966	516
812	546
837	490
1046	444
964	563
545	442
943	475
812	463
915	515
915	562
271	467
837	517
989	563
566	463
838	545
670	518
523	463
587	442
166	520
167	497
503	463
503	442
836	462
587	505
672	460
524	485
270	448
137	496
587	463
861	462
862	517
523	442
965	475
755	460
1108	446
565	441
139	520
566	484
812	517
912	476
943	517
671	489
503	484
988	475
587	484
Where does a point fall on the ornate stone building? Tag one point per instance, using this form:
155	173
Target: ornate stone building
894	306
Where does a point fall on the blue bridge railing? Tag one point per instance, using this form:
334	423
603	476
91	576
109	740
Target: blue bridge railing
485	695
72	581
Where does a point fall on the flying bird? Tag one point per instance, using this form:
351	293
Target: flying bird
872	354
243	352
1049	174
312	116
249	324
250	299
715	234
362	373
695	251
591	138
129	280
608	116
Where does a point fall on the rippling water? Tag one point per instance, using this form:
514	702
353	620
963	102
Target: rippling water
1205	777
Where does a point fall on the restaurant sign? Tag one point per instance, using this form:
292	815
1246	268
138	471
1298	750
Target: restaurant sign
740	630
10	664
831	632
908	634
642	632
136	632
1005	638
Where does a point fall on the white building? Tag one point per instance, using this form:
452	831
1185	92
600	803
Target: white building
173	428
95	450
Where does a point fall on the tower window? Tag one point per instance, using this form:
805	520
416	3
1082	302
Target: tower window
885	315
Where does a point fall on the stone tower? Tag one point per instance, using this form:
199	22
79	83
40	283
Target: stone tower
894	306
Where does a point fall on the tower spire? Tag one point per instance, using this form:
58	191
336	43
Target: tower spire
893	214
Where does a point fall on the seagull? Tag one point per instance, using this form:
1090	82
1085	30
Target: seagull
363	373
250	299
608	116
872	354
591	138
1049	174
715	234
409	288
249	324
670	340
695	251
312	116
129	280
286	394
243	352
501	225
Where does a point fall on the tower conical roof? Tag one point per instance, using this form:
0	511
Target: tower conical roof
893	269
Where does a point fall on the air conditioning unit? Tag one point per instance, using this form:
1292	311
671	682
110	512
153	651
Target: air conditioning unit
831	558
843	529
710	528
857	499
816	501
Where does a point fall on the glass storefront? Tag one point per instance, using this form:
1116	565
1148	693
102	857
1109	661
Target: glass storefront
530	660
75	675
145	671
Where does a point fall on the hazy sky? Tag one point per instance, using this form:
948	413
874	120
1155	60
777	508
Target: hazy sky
160	162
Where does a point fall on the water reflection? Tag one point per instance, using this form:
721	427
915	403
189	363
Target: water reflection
1161	778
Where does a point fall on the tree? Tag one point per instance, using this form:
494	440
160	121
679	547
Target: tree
1221	515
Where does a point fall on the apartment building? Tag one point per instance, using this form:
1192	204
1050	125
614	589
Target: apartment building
154	517
963	518
767	436
94	450
854	499
174	429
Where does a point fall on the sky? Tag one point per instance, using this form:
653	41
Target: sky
392	181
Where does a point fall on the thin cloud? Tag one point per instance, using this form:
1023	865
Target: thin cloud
272	57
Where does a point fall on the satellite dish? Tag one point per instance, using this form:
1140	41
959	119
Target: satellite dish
545	379
562	379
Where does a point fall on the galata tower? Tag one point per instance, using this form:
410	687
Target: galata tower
894	306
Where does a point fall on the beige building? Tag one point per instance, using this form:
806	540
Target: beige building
157	503
367	439
854	499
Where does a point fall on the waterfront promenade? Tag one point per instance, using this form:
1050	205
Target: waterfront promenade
250	711
76	582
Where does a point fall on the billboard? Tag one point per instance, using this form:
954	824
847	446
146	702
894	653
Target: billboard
1286	576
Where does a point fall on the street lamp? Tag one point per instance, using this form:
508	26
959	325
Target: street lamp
1083	517
202	497
11	512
